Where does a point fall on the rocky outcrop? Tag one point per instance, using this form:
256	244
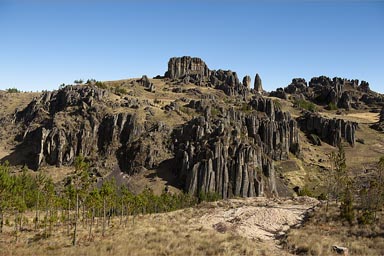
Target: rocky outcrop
194	70
297	86
232	154
337	92
74	120
331	131
144	81
279	93
228	82
247	82
379	126
258	86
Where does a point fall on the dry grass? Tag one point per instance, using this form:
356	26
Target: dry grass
325	229
191	231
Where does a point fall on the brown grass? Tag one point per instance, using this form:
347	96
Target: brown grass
184	232
325	229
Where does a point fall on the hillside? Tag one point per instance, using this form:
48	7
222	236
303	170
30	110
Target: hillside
199	131
193	122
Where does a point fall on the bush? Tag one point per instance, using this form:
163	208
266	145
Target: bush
305	192
332	106
101	85
303	104
367	217
322	197
120	90
277	104
208	197
12	90
245	107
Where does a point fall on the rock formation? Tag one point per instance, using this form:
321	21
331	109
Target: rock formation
247	82
336	92
379	126
258	86
74	120
232	154
228	149
194	70
331	131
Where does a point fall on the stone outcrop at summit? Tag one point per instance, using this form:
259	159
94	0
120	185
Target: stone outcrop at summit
194	70
336	92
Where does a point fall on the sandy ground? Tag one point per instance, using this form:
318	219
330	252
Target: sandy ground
259	218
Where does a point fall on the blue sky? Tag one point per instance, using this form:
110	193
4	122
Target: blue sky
46	43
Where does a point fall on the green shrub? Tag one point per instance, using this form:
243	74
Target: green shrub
120	90
303	104
101	85
367	217
12	90
208	197
245	107
277	104
332	106
305	192
214	112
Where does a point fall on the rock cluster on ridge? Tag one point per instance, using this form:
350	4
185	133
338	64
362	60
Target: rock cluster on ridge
194	70
336	92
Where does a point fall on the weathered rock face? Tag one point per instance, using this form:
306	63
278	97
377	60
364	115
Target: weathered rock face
332	131
193	69
258	86
74	121
228	82
232	154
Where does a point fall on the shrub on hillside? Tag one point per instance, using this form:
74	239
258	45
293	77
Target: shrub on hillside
12	90
303	104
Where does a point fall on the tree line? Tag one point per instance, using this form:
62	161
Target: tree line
78	202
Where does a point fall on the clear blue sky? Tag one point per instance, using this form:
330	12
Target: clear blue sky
46	43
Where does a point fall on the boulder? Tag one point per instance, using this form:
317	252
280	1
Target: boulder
340	250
